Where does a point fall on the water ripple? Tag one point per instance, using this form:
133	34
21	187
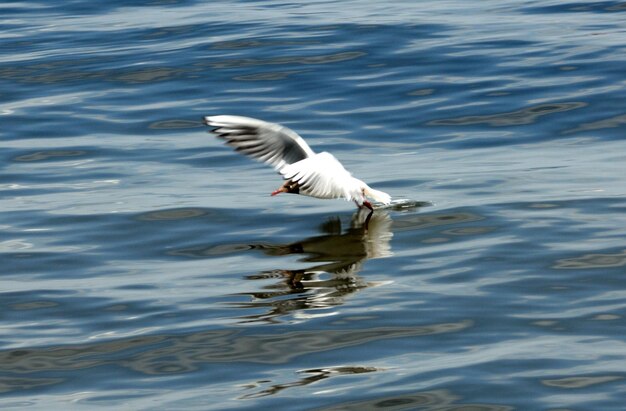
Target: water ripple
144	263
526	115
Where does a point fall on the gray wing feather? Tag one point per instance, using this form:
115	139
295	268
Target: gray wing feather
270	143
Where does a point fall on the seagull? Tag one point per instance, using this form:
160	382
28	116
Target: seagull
305	172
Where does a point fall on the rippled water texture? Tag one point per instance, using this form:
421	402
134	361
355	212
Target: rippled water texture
145	266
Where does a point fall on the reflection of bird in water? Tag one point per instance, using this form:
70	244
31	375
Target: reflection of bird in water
309	377
339	254
308	173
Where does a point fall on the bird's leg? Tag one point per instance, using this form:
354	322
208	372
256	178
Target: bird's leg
367	220
369	215
365	203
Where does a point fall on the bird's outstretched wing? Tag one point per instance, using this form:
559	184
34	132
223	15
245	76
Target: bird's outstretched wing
322	176
270	143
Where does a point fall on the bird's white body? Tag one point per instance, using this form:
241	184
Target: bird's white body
308	173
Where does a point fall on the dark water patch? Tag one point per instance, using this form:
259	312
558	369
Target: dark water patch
524	116
578	7
137	287
593	261
79	7
617	6
496	44
50	155
57	72
57	304
207	251
10	384
176	124
146	75
444	400
468	231
170	32
290	60
618	121
418	222
88	70
268	76
41	264
581	382
261	42
34	305
176	214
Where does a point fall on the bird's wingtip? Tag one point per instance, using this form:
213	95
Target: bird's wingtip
212	121
206	120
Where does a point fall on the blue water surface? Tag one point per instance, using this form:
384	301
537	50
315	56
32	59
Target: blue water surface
145	266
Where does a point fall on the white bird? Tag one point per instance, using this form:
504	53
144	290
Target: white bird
312	174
